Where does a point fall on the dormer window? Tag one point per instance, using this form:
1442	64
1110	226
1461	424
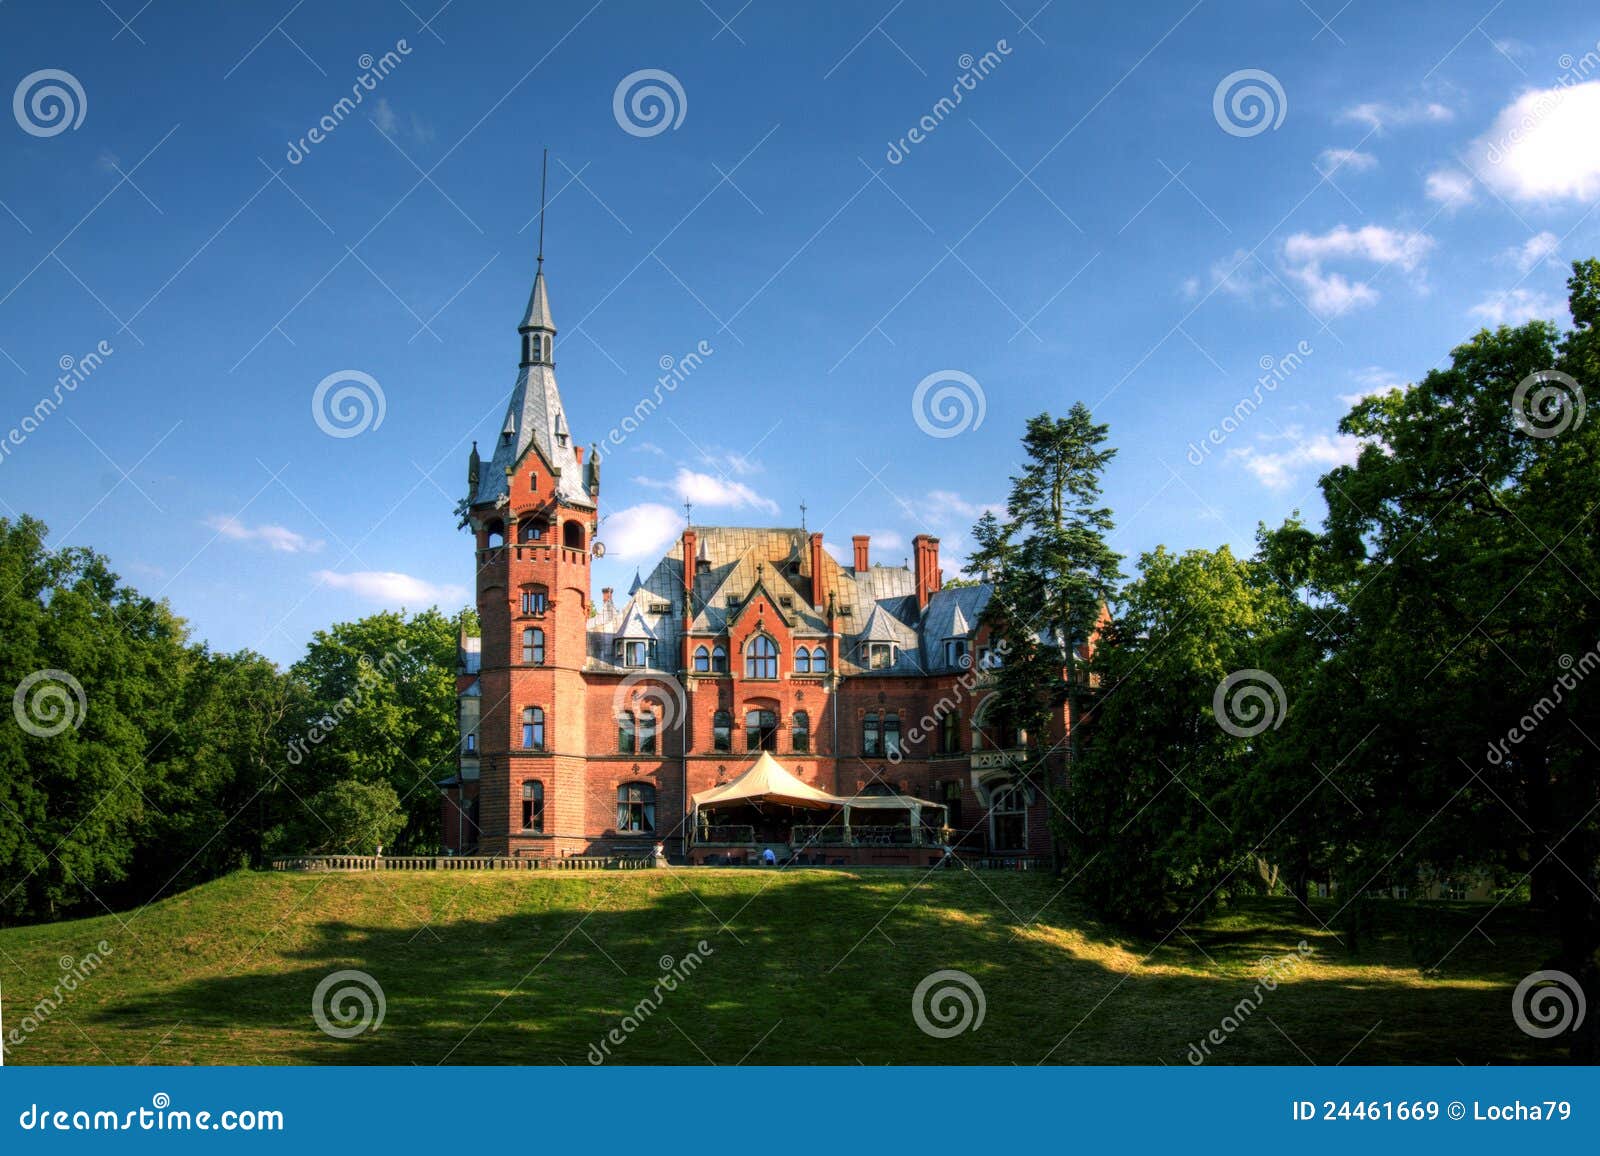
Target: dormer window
634	653
955	652
877	655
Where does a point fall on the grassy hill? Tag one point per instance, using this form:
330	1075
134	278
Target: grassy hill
804	967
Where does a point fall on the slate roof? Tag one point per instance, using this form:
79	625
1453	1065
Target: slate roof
878	603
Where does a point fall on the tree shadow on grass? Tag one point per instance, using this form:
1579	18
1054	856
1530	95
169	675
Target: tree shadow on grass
821	967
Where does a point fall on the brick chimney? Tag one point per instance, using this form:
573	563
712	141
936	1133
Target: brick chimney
819	573
861	542
605	597
929	576
690	545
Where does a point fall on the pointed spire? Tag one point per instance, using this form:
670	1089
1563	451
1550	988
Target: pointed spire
637	583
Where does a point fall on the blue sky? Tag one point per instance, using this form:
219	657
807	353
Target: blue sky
1088	223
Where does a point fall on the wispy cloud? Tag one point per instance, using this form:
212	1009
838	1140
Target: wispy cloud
1532	253
1450	187
1514	306
1380	115
1351	160
1279	469
715	492
1330	292
391	588
279	538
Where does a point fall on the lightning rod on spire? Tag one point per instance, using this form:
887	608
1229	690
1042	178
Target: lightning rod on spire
544	173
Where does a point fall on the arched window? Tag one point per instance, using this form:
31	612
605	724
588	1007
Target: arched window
702	660
572	535
891	734
533	806
647	733
719	660
531	531
535	599
871	736
760	658
802	661
636	808
496	534
819	660
533	646
994	730
760	730
949	733
625	732
800	732
722	731
1008	818
533	728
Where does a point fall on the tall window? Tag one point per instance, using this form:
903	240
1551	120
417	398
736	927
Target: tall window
1008	818
634	653
533	728
472	742
533	806
891	735
647	733
952	804
877	655
949	733
802	661
800	732
819	660
871	736
625	733
955	652
533	646
636	808
702	660
760	730
572	535
719	660
722	731
760	658
534	601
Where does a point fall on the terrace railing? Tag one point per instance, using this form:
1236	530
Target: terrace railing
726	834
459	863
838	835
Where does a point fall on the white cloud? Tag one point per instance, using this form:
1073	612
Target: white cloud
838	553
706	490
1543	146
890	540
1280	469
1532	252
391	588
1333	293
384	117
1374	382
1240	275
640	533
1450	187
1378	115
279	538
1355	161
1514	306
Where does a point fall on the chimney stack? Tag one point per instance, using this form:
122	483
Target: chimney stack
861	542
605	595
819	573
690	543
929	576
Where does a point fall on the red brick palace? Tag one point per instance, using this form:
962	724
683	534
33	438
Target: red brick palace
591	729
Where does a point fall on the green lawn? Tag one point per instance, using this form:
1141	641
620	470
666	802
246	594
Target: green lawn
810	967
